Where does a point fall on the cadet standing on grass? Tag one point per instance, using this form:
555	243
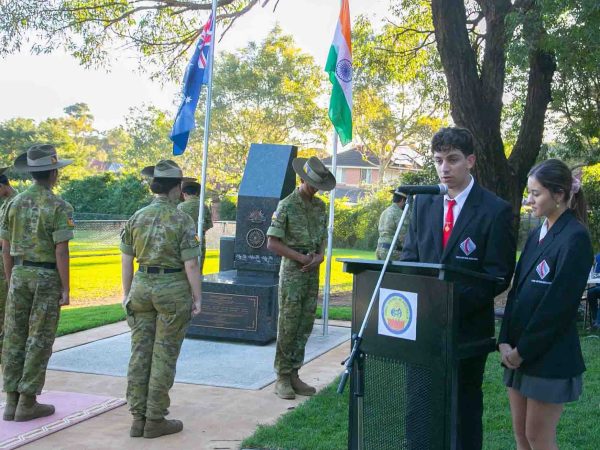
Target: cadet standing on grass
6	194
297	233
35	232
190	189
388	222
158	299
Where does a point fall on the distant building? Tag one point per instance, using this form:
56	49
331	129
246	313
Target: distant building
356	172
105	166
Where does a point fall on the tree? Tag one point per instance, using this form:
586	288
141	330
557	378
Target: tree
16	135
161	31
394	104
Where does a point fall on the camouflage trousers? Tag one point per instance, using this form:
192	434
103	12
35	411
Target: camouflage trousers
381	253
3	295
298	293
32	313
158	312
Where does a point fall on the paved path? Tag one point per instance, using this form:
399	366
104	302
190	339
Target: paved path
214	418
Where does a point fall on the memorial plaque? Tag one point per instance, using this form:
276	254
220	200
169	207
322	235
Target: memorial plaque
228	311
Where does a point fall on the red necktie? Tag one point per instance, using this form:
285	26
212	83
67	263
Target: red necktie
449	222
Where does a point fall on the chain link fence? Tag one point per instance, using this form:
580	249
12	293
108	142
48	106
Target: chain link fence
98	232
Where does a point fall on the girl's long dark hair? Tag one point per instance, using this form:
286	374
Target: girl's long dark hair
556	176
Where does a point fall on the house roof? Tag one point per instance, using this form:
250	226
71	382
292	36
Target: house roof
353	158
404	156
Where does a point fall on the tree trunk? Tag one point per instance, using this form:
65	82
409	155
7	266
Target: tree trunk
476	99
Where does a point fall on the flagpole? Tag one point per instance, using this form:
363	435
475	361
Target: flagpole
211	57
327	288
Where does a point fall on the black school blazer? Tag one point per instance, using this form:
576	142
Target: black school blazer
541	309
482	240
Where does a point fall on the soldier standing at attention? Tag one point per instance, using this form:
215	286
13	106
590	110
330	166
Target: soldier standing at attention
297	233
6	194
190	189
158	299
35	231
388	222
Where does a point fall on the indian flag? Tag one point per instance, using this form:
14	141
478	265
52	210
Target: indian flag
339	67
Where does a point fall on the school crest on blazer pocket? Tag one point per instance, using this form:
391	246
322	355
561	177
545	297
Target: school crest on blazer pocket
542	269
467	247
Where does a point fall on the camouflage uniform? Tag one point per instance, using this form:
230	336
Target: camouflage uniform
192	207
34	222
3	283
158	305
388	222
302	226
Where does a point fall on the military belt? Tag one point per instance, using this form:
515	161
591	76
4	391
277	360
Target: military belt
154	269
18	261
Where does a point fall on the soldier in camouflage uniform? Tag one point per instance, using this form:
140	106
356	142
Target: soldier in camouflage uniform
35	231
190	189
158	299
388	222
297	233
6	194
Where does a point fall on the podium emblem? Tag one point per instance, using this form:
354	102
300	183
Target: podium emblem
468	246
397	314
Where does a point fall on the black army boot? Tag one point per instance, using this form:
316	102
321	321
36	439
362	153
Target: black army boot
283	387
300	387
12	399
137	426
28	409
162	427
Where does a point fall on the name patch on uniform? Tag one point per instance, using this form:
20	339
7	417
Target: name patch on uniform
197	238
543	269
468	246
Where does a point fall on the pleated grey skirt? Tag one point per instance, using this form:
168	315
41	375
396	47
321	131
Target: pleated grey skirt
549	390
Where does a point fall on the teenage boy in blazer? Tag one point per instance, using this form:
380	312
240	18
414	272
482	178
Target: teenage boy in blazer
470	228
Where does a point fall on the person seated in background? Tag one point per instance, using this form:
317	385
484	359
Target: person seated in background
593	295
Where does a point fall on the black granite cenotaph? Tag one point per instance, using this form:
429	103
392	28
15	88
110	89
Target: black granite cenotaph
241	304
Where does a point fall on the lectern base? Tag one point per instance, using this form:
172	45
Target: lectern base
238	307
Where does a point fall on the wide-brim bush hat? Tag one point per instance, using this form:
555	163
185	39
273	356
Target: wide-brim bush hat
397	192
314	172
163	169
39	158
189	181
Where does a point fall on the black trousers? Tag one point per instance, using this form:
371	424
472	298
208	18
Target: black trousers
470	403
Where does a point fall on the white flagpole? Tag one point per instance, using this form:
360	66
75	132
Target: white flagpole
327	288
211	57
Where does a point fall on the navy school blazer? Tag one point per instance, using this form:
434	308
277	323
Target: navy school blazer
541	310
482	240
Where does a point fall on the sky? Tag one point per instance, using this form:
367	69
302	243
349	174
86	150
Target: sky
41	86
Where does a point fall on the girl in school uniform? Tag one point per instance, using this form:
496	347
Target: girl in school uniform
538	341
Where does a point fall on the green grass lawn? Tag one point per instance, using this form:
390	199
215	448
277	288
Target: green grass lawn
79	319
321	423
96	272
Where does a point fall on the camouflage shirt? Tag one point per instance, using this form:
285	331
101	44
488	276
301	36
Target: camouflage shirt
3	204
160	235
192	207
34	222
388	222
299	223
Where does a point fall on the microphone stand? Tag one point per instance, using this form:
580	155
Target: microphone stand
357	339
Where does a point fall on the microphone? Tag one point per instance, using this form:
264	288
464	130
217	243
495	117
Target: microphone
437	189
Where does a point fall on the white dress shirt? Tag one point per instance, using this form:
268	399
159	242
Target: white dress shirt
460	201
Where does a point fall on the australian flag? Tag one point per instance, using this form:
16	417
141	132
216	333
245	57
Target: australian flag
196	74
